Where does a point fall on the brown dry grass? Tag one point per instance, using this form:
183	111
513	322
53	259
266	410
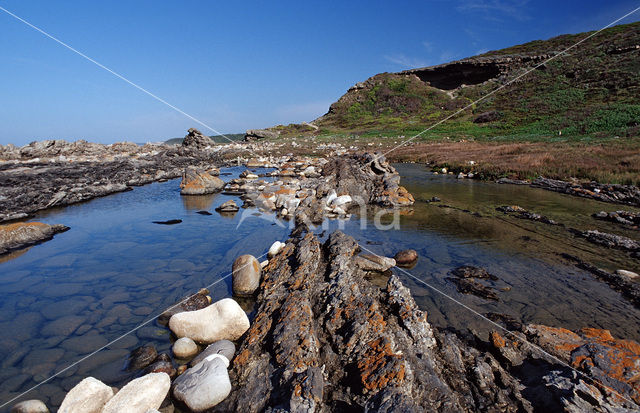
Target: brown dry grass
610	162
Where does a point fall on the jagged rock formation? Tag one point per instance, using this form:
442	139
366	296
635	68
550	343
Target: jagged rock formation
256	134
326	339
604	375
195	139
369	177
21	235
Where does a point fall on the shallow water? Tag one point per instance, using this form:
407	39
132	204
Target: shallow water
115	269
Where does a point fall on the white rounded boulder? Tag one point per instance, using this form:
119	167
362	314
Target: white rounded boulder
88	396
140	395
222	320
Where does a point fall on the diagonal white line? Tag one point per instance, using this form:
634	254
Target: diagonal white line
122	77
508	83
139	326
507	331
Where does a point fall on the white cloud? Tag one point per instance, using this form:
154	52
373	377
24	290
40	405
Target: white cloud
407	62
495	9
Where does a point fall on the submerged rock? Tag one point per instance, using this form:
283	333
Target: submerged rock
246	275
469	286
199	182
169	222
406	258
205	385
142	356
222	320
194	302
24	234
88	396
140	395
469	271
30	406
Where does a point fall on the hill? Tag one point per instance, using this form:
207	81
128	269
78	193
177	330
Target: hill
592	91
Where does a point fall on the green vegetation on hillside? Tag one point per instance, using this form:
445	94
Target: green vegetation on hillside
592	92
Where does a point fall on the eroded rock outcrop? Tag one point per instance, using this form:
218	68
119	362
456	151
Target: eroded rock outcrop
23	234
196	139
256	134
594	370
326	339
198	182
614	193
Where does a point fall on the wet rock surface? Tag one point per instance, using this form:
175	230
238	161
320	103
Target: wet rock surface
522	213
627	218
57	173
613	193
609	240
23	234
465	281
141	357
619	280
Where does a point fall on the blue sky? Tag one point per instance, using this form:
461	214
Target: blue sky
238	65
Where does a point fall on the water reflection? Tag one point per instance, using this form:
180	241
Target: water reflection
198	202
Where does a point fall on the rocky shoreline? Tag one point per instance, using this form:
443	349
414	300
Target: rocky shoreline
335	330
58	173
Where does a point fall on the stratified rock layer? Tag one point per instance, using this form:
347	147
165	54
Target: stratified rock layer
326	339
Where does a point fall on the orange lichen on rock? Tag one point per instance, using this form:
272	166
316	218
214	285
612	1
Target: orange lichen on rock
242	358
19	225
380	365
497	340
558	341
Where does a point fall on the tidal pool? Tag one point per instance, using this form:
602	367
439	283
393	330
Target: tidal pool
115	269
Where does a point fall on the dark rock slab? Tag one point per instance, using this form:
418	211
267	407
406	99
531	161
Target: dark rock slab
169	222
